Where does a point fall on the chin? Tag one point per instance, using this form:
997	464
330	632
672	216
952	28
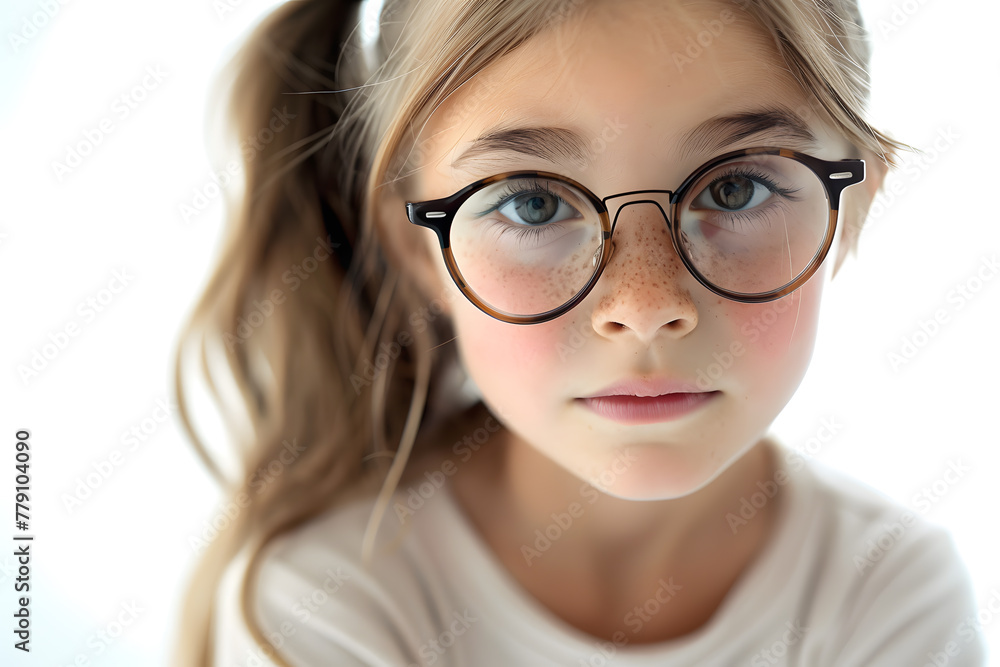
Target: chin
665	472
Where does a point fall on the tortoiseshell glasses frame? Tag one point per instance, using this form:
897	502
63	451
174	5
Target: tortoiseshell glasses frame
835	176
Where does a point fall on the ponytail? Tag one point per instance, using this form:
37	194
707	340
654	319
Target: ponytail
301	296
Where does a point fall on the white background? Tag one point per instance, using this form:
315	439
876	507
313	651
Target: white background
61	239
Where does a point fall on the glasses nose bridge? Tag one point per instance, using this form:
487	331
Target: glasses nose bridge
661	199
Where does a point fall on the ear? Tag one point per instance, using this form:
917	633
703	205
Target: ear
855	202
414	249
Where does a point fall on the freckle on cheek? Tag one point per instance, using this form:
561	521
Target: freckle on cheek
522	287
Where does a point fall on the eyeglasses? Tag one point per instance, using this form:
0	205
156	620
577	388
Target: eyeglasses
751	225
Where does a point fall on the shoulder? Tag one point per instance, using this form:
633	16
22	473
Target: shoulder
874	528
315	599
887	585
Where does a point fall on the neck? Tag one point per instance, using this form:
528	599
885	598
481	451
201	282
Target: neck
601	528
591	557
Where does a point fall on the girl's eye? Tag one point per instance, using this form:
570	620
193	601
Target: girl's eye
536	208
732	193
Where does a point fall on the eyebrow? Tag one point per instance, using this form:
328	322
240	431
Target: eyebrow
553	144
721	131
560	145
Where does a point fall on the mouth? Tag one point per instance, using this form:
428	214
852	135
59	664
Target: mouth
648	402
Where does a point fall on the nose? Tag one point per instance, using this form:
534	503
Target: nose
643	291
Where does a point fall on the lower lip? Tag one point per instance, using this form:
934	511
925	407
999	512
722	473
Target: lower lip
647	409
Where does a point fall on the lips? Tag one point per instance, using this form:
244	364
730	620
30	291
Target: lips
647	401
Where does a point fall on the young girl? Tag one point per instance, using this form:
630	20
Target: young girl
514	294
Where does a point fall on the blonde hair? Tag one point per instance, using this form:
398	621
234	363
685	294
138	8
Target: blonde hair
305	365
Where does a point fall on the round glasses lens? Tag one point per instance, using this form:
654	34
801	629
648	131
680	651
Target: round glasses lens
525	246
755	223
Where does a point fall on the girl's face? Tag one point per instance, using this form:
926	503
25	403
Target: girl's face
634	80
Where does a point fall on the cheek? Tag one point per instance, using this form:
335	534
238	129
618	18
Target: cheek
775	340
500	357
503	359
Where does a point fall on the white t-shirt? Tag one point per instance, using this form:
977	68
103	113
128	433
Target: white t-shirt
849	578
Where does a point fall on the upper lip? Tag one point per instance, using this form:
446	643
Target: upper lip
648	388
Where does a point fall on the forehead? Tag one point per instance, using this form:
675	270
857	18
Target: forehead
645	71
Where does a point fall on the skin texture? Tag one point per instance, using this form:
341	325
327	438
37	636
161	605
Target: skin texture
662	490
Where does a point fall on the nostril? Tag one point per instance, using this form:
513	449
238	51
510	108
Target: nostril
679	324
614	327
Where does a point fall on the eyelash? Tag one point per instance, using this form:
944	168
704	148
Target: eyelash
745	218
756	176
517	188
